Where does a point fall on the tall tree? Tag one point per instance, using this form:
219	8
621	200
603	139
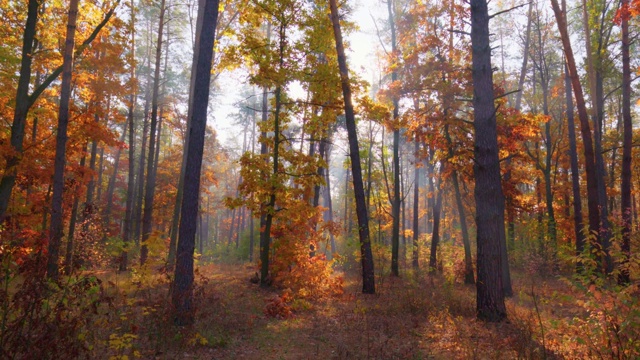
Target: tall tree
488	189
21	107
128	215
56	229
368	278
625	190
24	100
182	295
150	187
176	210
592	188
395	201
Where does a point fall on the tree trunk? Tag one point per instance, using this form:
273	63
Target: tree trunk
91	187
176	209
416	206
182	294
625	188
328	200
265	240
56	229
435	234
151	179
21	109
98	184
488	189
112	182
68	259
395	201
368	278
592	187
468	261
126	236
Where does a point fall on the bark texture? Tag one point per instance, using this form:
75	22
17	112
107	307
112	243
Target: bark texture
182	295
488	189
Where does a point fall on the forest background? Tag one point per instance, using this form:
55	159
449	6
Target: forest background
154	152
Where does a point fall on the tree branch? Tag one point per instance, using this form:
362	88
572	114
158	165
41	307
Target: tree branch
54	75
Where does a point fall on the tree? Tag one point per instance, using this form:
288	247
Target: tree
128	217
625	190
22	107
149	189
182	292
592	188
56	230
488	189
368	278
395	201
24	100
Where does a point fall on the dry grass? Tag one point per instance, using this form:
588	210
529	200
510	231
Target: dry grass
413	317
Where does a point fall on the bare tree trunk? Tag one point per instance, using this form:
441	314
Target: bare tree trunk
112	182
151	179
468	261
395	201
625	188
435	234
592	187
328	200
368	278
128	217
182	294
416	206
488	189
56	230
68	259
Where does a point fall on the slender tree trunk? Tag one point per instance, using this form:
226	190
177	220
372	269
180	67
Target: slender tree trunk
21	109
68	260
416	206
112	182
468	261
329	201
91	187
137	220
56	229
488	189
368	278
151	179
625	187
592	187
435	235
128	217
98	184
182	294
265	240
395	201
347	228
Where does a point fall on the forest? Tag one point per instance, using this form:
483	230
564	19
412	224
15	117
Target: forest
307	179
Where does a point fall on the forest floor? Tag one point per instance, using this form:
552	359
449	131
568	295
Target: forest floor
412	317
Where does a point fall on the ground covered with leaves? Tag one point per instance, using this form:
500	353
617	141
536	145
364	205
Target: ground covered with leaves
417	316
